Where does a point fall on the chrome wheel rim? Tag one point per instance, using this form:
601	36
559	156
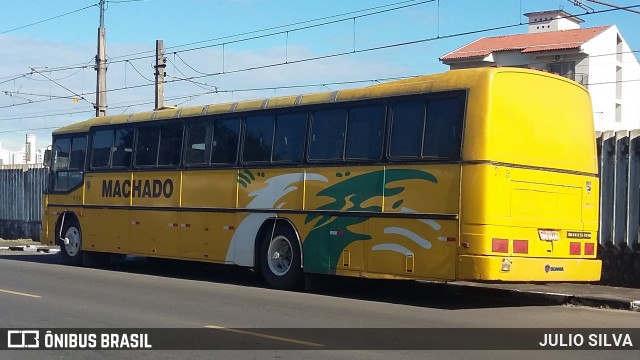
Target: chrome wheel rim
72	243
279	255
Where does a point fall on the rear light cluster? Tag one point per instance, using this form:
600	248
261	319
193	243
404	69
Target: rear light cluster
576	247
522	247
502	246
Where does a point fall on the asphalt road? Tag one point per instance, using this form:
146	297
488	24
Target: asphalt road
36	291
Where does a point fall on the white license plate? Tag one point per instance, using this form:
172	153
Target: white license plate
549	235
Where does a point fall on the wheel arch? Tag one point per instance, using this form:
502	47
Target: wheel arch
67	215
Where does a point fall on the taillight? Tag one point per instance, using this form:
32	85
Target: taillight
500	245
575	248
521	246
589	249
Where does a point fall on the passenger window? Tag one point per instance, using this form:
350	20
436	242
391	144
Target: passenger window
170	145
407	129
224	146
327	134
289	139
122	148
62	154
78	151
195	152
443	134
258	138
147	146
365	131
101	148
68	162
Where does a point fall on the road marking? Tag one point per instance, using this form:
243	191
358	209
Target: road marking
272	337
20	293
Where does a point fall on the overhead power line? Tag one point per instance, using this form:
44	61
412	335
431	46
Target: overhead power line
204	75
48	19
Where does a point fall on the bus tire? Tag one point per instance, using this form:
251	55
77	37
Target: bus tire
71	245
280	258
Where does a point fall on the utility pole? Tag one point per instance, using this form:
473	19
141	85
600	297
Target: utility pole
101	68
161	64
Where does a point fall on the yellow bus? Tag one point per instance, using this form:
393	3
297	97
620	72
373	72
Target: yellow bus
479	174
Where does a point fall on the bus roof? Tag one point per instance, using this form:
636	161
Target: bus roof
450	80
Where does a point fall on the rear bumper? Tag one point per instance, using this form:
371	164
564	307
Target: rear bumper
506	268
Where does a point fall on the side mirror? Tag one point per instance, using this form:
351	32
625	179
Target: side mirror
46	161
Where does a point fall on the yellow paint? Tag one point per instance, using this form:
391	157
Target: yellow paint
19	293
527	269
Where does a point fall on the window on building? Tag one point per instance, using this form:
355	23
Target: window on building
566	69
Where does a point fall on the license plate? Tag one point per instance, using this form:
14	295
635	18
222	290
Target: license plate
549	235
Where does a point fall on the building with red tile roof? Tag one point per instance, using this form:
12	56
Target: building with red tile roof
596	57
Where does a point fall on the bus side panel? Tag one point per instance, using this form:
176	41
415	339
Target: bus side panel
328	231
421	248
208	221
106	228
209	188
206	235
421	195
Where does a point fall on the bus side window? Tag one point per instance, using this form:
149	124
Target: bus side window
289	139
224	146
147	146
195	151
62	154
258	138
101	148
78	151
122	148
170	144
407	127
327	134
443	134
365	129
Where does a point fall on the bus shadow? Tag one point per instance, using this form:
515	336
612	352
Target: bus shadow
412	293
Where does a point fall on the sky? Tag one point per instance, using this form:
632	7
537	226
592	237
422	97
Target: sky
230	50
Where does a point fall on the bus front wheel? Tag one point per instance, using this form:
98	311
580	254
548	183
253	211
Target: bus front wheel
71	245
280	258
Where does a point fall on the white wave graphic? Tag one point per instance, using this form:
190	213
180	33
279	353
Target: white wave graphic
424	243
434	225
392	247
277	187
241	247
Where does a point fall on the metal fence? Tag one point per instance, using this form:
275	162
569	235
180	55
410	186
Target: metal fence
619	162
21	189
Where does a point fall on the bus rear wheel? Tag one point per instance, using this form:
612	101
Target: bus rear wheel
71	245
280	259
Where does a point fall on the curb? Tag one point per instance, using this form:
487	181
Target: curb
552	298
31	248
